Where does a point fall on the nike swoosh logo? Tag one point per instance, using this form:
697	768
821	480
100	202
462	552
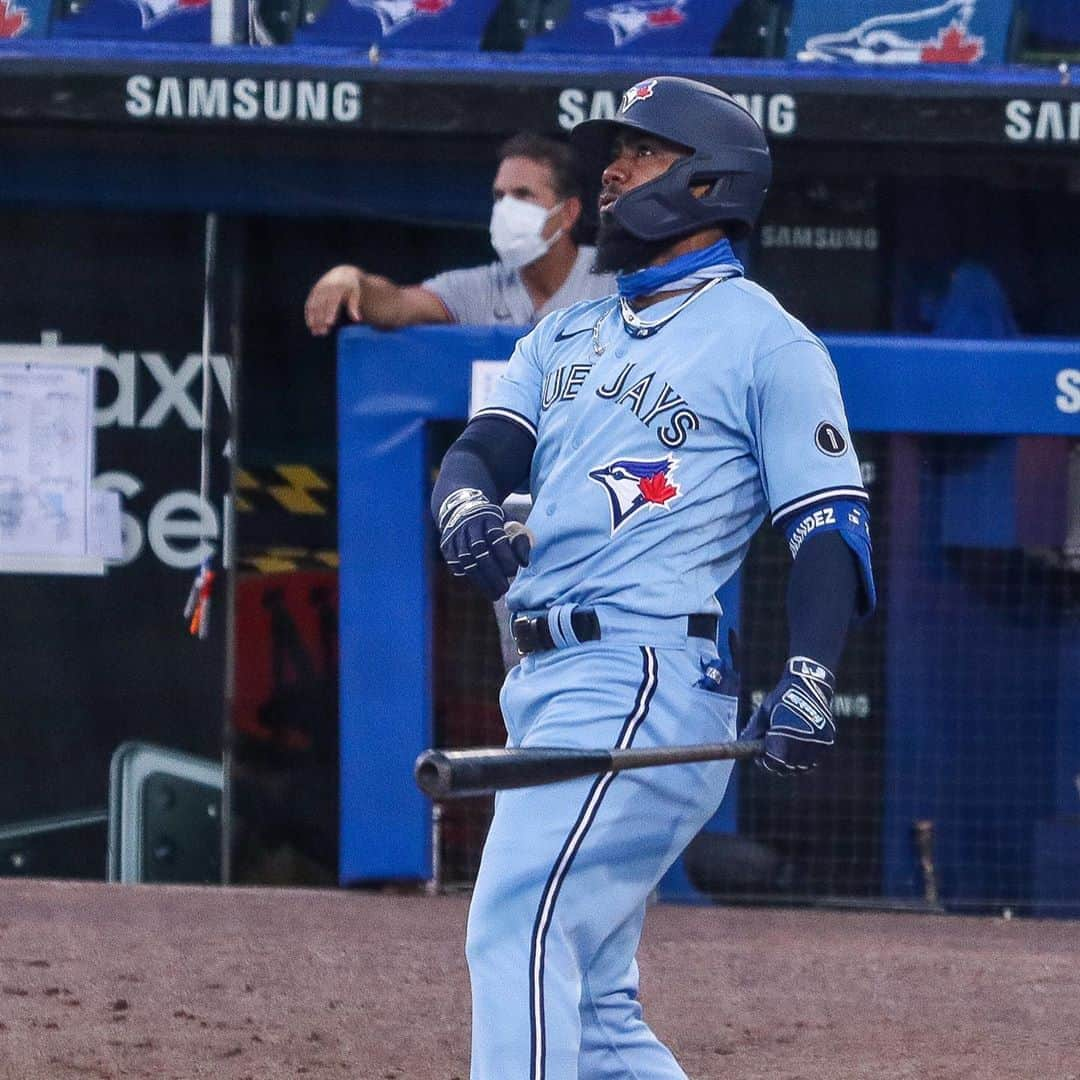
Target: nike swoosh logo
562	335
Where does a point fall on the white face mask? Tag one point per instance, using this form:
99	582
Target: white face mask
517	230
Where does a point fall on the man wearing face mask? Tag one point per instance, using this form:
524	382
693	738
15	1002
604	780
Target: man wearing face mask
540	266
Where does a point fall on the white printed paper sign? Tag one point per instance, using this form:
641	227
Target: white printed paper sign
47	459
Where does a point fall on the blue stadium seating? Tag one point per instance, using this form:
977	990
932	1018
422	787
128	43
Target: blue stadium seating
1054	22
975	305
655	27
411	24
126	20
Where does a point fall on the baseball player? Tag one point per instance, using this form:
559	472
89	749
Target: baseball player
658	428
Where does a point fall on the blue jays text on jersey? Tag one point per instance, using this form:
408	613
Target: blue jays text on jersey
658	458
634	389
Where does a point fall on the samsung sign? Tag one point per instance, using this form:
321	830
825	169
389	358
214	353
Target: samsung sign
1042	121
292	101
777	114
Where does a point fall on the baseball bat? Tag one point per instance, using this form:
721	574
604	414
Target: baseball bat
514	529
453	774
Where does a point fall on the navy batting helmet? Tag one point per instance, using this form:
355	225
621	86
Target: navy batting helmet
728	151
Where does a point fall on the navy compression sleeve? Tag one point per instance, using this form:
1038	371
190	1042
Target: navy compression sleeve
492	454
822	593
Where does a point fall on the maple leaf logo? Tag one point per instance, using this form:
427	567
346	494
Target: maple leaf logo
953	46
669	16
656	489
432	7
13	19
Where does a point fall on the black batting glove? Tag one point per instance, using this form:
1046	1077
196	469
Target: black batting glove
796	719
474	543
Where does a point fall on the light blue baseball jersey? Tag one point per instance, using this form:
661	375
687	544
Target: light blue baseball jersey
657	458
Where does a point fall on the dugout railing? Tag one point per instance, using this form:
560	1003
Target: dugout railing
955	782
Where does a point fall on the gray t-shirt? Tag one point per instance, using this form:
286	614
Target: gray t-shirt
492	295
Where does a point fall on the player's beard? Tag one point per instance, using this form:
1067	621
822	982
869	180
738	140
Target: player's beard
617	251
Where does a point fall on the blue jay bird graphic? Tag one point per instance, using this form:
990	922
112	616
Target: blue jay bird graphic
935	34
633	485
394	14
629	20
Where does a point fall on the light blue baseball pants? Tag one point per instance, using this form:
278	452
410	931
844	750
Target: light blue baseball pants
567	868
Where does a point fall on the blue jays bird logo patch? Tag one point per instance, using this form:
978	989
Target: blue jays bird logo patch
633	485
641	91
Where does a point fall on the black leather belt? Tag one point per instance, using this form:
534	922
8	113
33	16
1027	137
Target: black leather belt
532	633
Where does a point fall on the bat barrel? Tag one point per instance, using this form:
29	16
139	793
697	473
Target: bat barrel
451	774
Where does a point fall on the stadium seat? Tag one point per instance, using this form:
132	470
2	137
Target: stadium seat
274	22
515	20
1056	21
125	20
409	24
657	27
892	32
975	305
756	29
1048	30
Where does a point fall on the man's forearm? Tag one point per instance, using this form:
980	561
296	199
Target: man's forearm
382	302
462	469
822	593
390	306
492	456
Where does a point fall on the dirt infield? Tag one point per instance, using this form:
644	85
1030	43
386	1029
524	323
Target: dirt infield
143	981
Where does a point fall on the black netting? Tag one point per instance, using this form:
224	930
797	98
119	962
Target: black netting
955	782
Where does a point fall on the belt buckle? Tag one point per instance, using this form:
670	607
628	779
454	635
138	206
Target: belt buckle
523	630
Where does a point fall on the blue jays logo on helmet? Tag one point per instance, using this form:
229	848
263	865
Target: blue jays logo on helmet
937	34
632	18
641	91
394	14
634	485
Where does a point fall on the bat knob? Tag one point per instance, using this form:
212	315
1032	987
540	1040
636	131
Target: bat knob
521	541
433	773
